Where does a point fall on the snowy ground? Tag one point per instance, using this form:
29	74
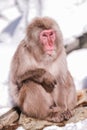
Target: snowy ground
6	53
81	125
77	64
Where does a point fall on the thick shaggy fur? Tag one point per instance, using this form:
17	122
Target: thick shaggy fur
40	84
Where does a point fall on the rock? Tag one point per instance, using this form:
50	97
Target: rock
82	97
10	127
80	113
9	118
35	124
71	46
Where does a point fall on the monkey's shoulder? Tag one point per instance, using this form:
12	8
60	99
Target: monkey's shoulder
21	48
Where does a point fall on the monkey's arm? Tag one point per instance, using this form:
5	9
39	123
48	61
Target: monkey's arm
40	76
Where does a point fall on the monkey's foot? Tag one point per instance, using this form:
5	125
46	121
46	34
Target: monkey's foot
67	114
56	117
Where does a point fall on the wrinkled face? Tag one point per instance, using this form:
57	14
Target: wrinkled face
47	39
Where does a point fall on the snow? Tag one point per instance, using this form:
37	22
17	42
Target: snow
77	64
70	17
8	13
3	24
73	22
20	128
6	52
4	110
6	4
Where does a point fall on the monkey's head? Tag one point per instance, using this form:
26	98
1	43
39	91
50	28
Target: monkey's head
44	35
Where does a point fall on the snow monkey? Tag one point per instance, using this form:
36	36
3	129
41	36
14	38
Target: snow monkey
40	83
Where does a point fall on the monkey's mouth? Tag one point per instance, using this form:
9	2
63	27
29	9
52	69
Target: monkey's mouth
50	52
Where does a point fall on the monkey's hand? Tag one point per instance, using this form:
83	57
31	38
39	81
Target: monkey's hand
43	77
48	82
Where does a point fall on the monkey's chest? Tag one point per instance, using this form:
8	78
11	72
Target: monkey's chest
52	68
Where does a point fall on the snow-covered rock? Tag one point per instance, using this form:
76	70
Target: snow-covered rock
81	125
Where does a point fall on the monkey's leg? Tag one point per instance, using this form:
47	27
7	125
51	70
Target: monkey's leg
37	103
60	96
71	97
35	100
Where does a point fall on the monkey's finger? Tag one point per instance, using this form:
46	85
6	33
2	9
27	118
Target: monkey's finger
56	117
52	86
48	88
67	115
55	82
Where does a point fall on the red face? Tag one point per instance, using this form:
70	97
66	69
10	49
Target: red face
47	38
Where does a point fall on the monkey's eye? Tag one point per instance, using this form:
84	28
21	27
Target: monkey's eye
44	35
51	33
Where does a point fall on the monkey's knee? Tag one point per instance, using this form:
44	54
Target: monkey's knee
36	110
36	102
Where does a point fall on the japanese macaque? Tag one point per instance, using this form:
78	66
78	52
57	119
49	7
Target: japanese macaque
40	83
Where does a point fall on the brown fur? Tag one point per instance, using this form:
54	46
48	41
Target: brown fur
40	84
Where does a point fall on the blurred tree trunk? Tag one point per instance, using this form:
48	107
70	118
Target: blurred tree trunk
79	43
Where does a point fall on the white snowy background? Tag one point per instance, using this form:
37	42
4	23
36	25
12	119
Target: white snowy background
14	16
